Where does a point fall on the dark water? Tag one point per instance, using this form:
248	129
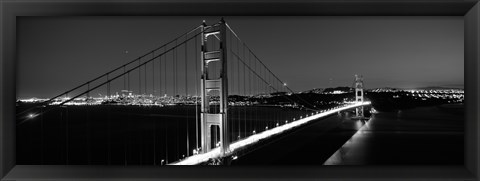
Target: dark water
420	136
426	136
127	135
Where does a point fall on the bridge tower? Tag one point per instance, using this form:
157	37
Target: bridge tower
214	121
359	94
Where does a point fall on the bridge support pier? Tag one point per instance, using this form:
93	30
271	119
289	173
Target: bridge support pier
214	88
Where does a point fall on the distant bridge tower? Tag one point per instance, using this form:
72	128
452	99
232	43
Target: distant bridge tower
214	125
359	94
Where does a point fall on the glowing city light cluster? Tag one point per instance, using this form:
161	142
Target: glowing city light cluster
456	95
152	100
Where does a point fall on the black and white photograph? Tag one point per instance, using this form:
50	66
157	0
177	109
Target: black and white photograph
240	90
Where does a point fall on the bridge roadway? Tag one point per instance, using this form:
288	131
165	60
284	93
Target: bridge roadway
215	153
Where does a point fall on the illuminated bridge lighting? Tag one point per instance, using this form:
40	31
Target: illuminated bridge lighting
215	153
31	116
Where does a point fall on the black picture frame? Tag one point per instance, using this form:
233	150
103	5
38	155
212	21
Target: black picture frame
10	10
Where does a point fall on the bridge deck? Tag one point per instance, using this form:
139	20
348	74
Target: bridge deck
215	153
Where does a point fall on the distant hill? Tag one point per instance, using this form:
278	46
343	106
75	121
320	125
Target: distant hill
437	87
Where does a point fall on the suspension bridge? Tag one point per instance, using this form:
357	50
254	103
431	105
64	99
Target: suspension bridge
207	96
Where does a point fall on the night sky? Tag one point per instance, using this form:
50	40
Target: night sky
59	53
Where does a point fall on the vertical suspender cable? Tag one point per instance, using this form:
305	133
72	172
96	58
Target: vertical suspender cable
124	79
186	68
267	89
269	93
264	97
108	87
88	89
128	83
153	74
250	83
244	94
175	69
154	121
139	79
186	92
259	93
145	72
276	112
256	94
260	97
177	151
238	87
196	92
160	76
173	73
270	89
165	71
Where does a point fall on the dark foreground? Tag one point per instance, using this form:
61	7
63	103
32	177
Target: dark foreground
420	136
127	135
